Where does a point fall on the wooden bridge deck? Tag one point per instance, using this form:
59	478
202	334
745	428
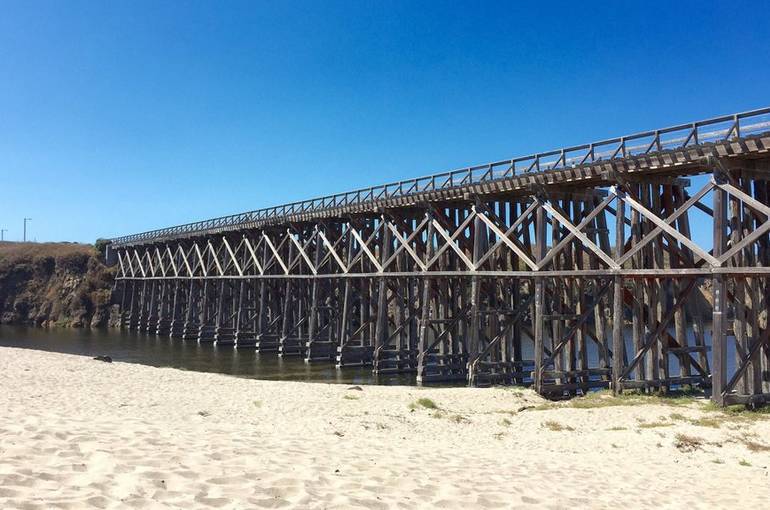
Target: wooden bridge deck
569	270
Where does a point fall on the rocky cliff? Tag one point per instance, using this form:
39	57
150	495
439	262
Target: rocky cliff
55	284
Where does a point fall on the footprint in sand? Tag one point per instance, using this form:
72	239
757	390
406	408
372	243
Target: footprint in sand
50	477
5	492
226	480
121	469
98	502
16	480
214	502
270	503
368	503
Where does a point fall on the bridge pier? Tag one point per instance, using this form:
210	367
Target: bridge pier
168	292
193	310
150	321
396	348
208	313
181	304
269	319
291	342
128	298
245	315
227	313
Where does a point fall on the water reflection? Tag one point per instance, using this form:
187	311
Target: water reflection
134	347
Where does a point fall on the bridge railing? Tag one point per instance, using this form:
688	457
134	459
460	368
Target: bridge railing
713	130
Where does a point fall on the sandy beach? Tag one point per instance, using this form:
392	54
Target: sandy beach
80	433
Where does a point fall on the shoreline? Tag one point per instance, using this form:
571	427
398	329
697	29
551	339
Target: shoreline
79	432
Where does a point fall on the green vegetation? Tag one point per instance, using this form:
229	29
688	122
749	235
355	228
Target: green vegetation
556	426
100	245
754	446
605	398
655	425
425	403
682	399
703	421
458	418
687	443
714	423
440	413
739	412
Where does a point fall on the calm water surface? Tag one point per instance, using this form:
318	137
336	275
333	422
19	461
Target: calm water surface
134	347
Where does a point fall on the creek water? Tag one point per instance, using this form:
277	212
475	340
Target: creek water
134	347
146	349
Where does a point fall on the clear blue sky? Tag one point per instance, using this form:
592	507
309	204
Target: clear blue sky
118	117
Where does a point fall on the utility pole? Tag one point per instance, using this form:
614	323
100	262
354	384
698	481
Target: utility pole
25	228
2	233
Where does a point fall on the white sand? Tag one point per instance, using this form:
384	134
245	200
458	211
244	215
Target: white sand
78	433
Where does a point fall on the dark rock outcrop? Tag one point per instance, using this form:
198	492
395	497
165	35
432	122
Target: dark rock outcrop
55	284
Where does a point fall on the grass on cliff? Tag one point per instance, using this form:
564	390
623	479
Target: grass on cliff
67	253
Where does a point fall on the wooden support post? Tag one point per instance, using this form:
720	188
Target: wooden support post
164	313
638	297
190	321
221	320
209	309
618	342
540	240
143	298
425	308
345	316
602	237
288	342
739	292
762	195
381	333
560	301
123	295
475	295
718	337
262	342
580	301
244	334
659	289
752	300
649	302
317	349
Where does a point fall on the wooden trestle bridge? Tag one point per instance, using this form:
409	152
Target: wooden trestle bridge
637	262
